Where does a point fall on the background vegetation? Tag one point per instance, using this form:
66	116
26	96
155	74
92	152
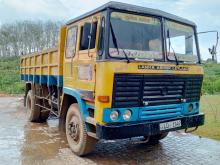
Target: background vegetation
10	77
211	83
210	105
18	39
27	36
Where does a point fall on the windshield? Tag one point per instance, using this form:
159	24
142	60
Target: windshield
135	36
180	41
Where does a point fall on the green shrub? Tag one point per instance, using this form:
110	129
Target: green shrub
10	82
217	85
211	83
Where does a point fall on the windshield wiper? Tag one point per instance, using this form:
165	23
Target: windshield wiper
116	43
170	46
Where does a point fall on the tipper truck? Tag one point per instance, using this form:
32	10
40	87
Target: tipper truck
119	71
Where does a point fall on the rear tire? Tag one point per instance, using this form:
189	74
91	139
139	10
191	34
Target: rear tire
154	139
79	142
33	111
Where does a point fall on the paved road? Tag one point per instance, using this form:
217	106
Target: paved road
27	143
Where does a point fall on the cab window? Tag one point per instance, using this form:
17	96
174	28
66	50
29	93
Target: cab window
88	36
71	42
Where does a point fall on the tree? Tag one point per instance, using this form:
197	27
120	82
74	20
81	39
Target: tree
26	37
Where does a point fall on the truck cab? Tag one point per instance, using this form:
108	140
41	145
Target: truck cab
140	71
127	71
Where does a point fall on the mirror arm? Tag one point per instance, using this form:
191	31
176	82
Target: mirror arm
217	38
212	31
213	50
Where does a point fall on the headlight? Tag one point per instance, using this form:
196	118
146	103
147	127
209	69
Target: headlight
114	115
127	114
190	107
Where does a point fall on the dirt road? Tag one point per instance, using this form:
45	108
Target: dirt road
24	143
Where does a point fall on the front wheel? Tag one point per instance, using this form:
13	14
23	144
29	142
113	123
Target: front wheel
79	142
154	139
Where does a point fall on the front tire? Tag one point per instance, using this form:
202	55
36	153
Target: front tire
79	142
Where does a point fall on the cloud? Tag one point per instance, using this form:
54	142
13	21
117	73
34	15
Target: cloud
31	9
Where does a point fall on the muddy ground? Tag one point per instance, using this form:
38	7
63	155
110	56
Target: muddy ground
25	143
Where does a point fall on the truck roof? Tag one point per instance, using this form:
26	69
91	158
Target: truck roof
132	8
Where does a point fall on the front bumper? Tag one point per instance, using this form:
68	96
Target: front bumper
148	128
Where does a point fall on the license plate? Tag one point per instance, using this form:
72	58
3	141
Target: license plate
170	125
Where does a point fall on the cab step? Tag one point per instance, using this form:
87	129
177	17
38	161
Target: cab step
90	120
92	134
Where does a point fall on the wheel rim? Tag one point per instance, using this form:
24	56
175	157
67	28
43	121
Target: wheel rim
73	129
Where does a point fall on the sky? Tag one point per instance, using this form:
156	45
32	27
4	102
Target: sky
205	13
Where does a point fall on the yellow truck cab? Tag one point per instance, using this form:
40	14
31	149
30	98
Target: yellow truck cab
119	71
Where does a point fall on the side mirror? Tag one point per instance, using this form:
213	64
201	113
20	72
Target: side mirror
212	50
213	53
88	36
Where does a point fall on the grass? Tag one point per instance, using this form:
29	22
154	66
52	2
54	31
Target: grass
210	105
211	83
10	82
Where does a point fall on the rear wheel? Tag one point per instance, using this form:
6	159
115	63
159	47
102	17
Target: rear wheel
154	139
79	142
33	111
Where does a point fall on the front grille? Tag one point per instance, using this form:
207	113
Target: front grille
160	112
136	90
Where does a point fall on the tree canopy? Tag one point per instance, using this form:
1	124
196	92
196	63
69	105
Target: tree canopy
25	37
